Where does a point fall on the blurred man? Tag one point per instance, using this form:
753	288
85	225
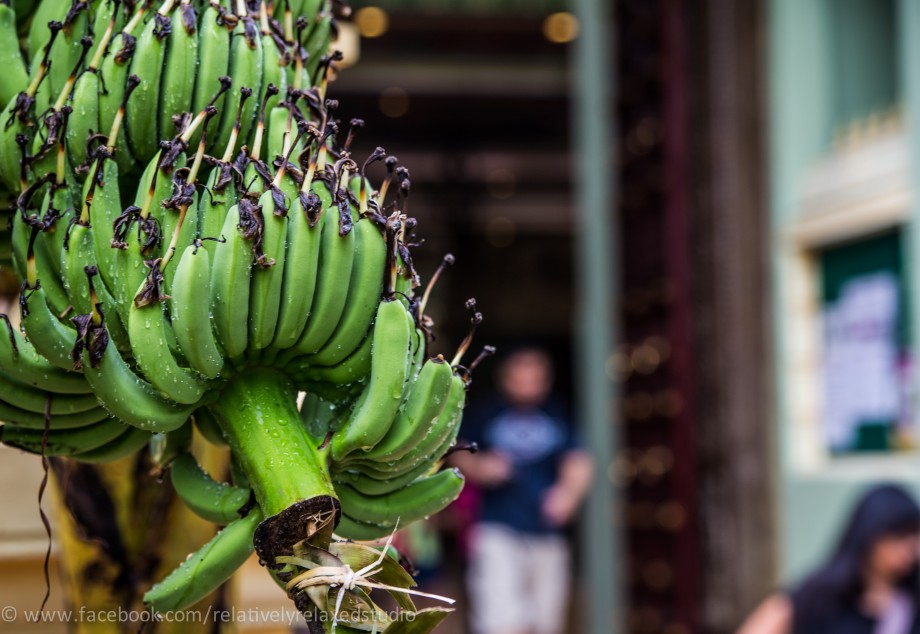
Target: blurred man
532	478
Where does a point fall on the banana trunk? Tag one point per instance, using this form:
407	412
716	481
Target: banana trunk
119	529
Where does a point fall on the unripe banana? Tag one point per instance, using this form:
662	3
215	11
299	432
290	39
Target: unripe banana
63	442
301	267
213	61
114	73
207	569
404	506
128	443
65	52
140	116
130	398
230	284
147	326
105	210
337	257
15	77
268	275
354	368
85	124
179	69
374	484
245	68
191	320
211	500
19	360
364	291
52	339
26	420
428	398
377	406
33	400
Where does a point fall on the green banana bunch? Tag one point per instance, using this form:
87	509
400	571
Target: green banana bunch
198	247
177	48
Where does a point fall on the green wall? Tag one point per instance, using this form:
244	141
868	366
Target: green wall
824	61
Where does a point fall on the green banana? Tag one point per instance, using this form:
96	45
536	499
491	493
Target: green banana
147	324
279	125
208	568
190	312
65	52
213	208
245	68
114	73
128	443
267	278
275	59
63	442
81	128
148	327
181	226
32	400
317	43
213	62
15	76
130	398
104	211
23	419
404	506
19	360
39	34
140	115
405	470
427	399
211	500
429	447
350	528
104	12
52	339
19	117
24	235
373	484
58	201
137	244
78	255
179	68
336	260
230	281
364	291
300	268
378	403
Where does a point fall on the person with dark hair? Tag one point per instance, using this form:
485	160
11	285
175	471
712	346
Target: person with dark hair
532	477
870	584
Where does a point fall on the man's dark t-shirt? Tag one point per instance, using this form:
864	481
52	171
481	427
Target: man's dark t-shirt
534	440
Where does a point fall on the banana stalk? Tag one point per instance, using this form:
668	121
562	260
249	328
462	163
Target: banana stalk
258	415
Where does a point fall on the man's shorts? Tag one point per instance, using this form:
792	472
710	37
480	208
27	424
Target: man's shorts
517	581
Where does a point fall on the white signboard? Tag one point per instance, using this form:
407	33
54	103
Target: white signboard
862	370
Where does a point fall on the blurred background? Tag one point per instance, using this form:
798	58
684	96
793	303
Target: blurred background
748	273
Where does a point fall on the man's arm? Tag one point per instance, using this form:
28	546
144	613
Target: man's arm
561	502
484	469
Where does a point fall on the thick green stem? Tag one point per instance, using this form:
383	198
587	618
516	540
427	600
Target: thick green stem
257	411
